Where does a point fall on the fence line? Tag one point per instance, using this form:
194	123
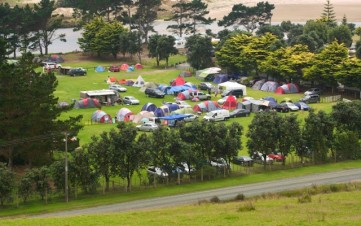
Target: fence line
331	99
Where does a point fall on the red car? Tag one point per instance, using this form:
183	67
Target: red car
114	68
277	157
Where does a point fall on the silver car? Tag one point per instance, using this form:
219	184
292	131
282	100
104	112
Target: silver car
130	100
147	127
118	88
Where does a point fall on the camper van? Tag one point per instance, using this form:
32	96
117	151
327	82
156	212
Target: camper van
216	115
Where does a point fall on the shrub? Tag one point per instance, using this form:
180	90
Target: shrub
305	198
247	207
215	199
240	197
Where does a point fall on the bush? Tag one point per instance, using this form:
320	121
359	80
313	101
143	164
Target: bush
305	198
215	199
240	197
247	207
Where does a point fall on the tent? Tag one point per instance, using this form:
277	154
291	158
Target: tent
179	81
87	103
101	117
130	69
191	85
139	82
220	78
161	111
142	115
258	85
122	81
302	106
111	80
232	86
149	107
206	106
56	58
129	83
272	102
172	107
99	69
269	86
171	90
138	66
270	99
124	115
230	103
183	111
185	95
203	74
185	74
148	85
288	88
124	67
63	104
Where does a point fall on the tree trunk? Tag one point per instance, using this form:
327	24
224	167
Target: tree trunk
129	183
107	181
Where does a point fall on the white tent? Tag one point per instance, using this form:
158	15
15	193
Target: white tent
233	85
140	82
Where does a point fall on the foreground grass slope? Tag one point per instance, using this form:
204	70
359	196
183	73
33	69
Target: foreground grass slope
340	208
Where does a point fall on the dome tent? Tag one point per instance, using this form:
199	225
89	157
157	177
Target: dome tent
142	116
162	111
288	88
87	103
101	117
230	103
206	106
99	69
269	86
149	107
124	115
124	67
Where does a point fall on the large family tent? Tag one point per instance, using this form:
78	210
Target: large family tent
149	107
269	86
111	80
172	107
142	116
101	117
171	90
124	115
258	84
272	101
87	103
138	66
288	88
232	86
124	67
208	72
151	85
139	82
206	106
230	103
99	69
185	74
220	78
162	111
182	111
185	95
179	81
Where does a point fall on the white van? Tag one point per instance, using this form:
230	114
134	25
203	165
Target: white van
217	115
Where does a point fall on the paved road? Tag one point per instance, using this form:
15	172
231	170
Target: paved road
223	193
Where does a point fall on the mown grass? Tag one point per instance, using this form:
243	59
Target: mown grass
57	204
338	208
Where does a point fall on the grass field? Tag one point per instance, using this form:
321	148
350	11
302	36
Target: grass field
338	208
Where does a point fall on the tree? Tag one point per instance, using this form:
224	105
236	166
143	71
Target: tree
349	71
346	145
347	116
161	47
25	187
145	15
318	134
248	17
180	16
41	177
199	51
273	29
232	141
342	34
318	30
328	15
47	23
7	183
101	154
262	134
196	11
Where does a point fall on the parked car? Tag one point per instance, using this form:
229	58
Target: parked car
291	106
150	92
50	65
278	157
190	118
216	115
235	92
185	168
282	107
200	95
114	68
147	127
156	171
223	99
117	87
205	86
130	100
302	106
259	158
182	104
313	91
219	162
77	71
239	113
311	98
243	161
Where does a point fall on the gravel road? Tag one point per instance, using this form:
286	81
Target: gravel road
223	193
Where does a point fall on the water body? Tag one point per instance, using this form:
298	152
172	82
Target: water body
72	45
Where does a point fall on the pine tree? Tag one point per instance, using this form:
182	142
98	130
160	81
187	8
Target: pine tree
328	14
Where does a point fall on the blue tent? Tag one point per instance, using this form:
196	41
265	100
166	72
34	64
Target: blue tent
130	69
171	90
176	117
149	107
162	111
172	107
220	78
99	69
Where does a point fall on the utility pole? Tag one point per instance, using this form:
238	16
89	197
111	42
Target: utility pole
66	169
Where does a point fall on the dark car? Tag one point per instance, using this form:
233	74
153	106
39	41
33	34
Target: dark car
313	91
77	71
311	98
154	93
114	68
205	86
282	107
243	161
234	92
239	113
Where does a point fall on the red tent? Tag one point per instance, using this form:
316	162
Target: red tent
138	66
122	81
179	81
230	103
112	79
124	67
